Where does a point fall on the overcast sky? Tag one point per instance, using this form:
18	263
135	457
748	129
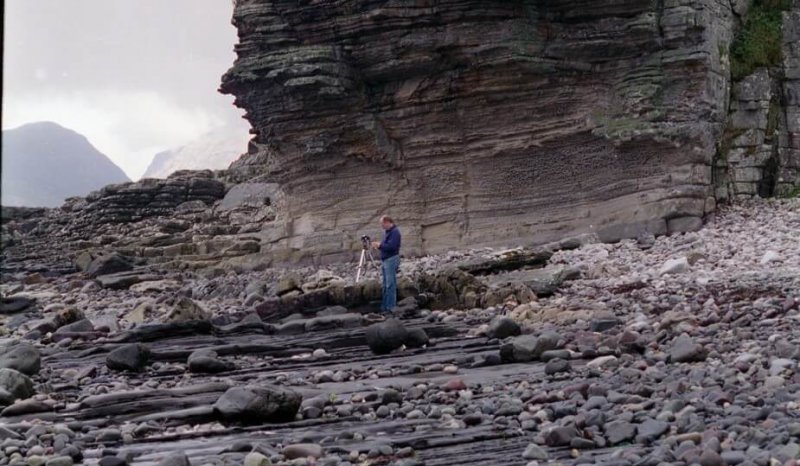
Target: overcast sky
134	76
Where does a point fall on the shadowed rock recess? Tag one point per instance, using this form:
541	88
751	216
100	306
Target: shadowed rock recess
481	122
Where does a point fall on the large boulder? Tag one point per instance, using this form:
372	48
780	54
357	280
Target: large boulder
67	316
685	349
619	431
130	357
14	385
387	336
547	281
287	283
80	326
186	310
417	338
503	327
258	403
61	318
84	260
108	264
529	347
207	361
675	266
22	357
14	304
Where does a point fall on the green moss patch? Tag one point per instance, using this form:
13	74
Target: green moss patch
758	43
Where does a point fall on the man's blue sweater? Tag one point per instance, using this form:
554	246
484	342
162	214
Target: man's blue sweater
390	246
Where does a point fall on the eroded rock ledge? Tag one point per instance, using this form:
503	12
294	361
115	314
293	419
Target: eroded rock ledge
482	123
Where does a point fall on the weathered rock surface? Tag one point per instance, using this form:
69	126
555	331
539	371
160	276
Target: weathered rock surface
207	361
186	310
131	357
529	347
22	357
127	202
108	264
503	327
469	132
14	385
385	337
759	152
616	364
684	349
258	404
610	390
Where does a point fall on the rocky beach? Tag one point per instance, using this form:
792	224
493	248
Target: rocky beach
600	263
678	349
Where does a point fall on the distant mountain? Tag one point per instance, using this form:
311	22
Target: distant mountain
214	150
44	163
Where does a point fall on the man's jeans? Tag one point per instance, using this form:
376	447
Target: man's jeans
390	267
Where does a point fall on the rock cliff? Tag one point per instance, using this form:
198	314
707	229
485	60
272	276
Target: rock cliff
157	322
492	123
759	151
479	123
489	122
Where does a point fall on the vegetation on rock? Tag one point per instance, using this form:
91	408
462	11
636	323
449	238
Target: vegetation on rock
759	41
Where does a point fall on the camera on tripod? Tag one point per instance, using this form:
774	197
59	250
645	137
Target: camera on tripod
365	241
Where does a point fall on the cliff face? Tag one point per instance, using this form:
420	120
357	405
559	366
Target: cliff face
759	151
482	122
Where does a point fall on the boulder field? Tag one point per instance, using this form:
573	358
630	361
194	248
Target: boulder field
680	349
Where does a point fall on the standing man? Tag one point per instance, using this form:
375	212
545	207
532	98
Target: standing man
390	261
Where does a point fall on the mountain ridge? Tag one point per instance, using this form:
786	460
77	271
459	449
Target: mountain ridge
44	163
214	150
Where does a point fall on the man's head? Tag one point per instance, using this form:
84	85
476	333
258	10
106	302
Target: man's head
386	222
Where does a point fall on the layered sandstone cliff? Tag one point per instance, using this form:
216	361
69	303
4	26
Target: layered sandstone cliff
482	122
473	123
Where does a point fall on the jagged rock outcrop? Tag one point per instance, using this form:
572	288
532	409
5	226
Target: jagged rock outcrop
482	122
130	202
153	220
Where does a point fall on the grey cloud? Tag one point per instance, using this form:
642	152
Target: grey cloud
177	49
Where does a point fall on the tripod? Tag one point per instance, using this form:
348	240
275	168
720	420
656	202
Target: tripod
362	263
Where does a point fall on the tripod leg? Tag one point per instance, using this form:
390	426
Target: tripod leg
360	266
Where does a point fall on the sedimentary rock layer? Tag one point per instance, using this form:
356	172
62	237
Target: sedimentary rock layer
788	179
481	122
759	151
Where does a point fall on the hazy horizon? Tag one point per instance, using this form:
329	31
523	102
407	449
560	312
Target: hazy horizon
135	77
